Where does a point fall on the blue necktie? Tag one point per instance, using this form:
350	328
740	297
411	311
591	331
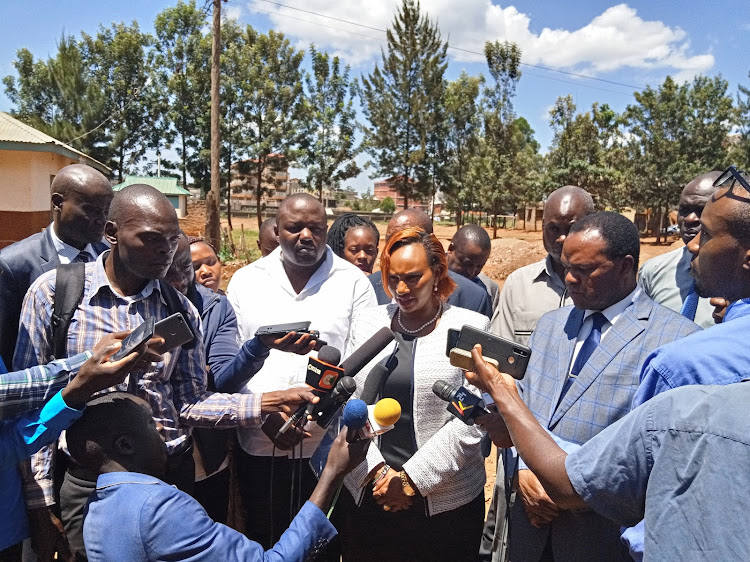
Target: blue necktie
587	349
691	303
83	257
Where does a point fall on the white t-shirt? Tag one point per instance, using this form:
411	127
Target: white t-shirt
261	294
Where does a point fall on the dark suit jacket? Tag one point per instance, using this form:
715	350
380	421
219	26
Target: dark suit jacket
20	264
600	395
467	294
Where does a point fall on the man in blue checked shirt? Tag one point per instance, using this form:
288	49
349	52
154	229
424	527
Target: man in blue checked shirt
52	410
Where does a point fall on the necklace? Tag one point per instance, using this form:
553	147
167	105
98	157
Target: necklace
423	326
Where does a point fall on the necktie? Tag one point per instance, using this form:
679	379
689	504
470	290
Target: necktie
691	303
589	345
83	257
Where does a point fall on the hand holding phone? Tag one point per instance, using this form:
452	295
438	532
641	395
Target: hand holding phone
135	339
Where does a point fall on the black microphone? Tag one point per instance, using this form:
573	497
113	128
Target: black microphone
373	383
463	404
322	375
329	406
362	356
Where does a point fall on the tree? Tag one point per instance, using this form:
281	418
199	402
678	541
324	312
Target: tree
182	59
399	98
502	191
740	147
329	145
463	122
677	131
61	98
587	151
116	59
272	108
388	206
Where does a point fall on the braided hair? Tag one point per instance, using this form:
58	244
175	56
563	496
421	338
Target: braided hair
337	231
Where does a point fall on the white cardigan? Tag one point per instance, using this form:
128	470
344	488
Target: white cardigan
448	467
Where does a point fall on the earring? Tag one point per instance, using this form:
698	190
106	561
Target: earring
434	289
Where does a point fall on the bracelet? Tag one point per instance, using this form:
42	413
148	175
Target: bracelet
406	485
383	472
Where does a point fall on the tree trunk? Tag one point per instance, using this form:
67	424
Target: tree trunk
258	192
213	222
494	221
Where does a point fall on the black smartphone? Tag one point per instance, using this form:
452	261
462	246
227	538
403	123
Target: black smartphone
175	331
283	329
141	334
512	357
453	336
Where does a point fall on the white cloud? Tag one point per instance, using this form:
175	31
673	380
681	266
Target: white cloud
232	12
617	38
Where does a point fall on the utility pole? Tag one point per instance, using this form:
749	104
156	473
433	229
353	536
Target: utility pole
213	223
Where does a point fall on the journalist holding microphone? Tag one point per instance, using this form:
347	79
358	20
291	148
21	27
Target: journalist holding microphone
419	494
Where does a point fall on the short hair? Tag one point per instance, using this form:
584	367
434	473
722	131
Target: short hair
738	221
266	225
619	233
435	258
90	439
337	231
198	239
139	197
475	234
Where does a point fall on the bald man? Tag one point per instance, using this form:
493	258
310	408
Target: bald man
466	295
301	280
666	278
80	201
267	241
122	288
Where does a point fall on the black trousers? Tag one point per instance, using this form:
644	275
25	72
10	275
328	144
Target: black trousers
271	502
12	553
213	494
79	484
369	534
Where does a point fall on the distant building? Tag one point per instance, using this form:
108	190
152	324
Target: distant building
243	186
384	188
166	185
29	161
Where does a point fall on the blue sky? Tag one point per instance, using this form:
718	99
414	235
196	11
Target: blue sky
636	43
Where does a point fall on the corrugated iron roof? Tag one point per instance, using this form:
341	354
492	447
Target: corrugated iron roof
167	185
14	131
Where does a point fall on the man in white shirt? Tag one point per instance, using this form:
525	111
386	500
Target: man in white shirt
300	280
666	278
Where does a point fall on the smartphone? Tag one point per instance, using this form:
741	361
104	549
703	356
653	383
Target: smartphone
512	357
462	359
283	329
141	334
175	331
453	336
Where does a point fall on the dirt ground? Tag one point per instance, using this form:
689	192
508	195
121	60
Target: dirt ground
510	250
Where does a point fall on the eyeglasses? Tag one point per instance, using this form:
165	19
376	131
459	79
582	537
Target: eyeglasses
730	176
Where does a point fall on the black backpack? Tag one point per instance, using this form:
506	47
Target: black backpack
69	292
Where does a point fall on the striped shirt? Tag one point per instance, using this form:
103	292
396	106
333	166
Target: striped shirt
175	388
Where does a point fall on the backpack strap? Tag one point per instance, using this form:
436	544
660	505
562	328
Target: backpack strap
174	305
69	286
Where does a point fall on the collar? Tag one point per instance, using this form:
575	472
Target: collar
613	311
685	259
99	281
109	479
275	267
737	309
547	271
65	250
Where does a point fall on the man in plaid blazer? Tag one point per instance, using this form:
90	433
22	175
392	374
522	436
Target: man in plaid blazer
584	369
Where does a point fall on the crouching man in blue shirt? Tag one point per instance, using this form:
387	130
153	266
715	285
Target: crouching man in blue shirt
133	516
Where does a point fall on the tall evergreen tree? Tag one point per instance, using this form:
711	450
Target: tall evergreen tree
329	146
740	148
400	99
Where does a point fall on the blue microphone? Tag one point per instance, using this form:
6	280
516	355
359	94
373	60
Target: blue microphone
355	418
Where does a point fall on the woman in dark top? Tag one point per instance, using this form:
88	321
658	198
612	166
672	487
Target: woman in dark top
420	494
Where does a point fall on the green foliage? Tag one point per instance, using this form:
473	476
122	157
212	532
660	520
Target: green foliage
402	103
388	206
328	143
739	150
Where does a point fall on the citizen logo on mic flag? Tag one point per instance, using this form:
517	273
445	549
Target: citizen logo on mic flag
322	376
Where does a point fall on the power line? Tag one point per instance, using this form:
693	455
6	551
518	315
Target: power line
540	67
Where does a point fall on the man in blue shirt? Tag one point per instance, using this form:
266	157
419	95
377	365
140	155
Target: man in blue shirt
22	436
133	516
668	459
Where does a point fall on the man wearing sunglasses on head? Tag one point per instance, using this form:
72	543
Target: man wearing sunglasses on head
682	457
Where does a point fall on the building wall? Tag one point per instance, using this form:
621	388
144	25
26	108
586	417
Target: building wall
25	179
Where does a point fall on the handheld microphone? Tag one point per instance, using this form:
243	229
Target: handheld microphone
328	407
362	356
463	404
354	418
379	418
322	374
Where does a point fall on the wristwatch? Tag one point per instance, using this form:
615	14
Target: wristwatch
406	485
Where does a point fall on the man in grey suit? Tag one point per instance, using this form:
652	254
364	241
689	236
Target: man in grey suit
466	295
80	201
584	369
